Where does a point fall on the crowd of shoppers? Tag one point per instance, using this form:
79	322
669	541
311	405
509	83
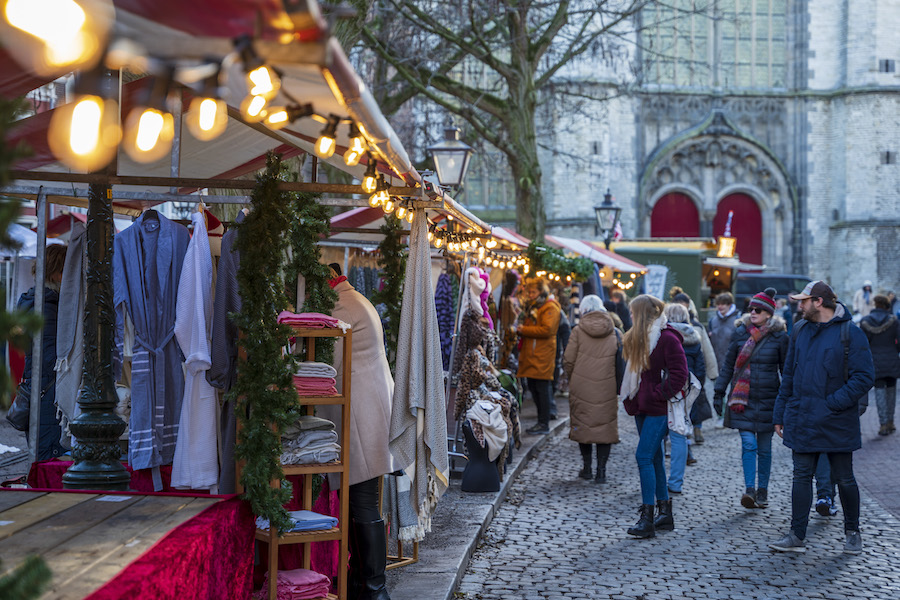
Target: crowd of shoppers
804	377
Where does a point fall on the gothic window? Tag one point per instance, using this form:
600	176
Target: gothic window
733	44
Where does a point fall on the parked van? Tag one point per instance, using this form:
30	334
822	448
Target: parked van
746	285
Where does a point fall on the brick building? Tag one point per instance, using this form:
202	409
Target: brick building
786	112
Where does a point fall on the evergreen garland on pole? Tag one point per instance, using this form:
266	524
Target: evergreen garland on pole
393	264
312	222
264	394
552	260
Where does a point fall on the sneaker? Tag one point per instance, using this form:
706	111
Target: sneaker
789	543
538	429
853	545
825	507
748	500
762	498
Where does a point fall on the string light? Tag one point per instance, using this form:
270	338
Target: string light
84	134
370	181
278	117
326	143
150	128
491	243
208	114
410	215
357	147
438	242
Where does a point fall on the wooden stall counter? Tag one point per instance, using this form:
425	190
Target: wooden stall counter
106	546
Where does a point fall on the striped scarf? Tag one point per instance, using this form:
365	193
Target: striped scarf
740	390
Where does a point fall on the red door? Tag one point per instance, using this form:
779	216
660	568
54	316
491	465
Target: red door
746	226
675	215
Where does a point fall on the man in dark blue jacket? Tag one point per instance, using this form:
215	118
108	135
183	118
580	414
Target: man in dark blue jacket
817	409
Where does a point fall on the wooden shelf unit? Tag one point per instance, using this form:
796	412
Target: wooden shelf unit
339	533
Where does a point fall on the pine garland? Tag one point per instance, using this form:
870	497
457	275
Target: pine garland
312	222
28	581
393	264
553	260
264	393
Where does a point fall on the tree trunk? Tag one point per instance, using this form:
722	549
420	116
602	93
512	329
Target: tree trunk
523	159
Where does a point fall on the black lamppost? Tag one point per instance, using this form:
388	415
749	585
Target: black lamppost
451	158
607	218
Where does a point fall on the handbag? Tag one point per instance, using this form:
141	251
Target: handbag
678	408
19	413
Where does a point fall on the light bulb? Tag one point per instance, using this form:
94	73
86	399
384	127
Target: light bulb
263	81
491	243
357	147
525	269
496	263
438	242
253	108
85	134
388	207
430	235
326	144
148	134
374	200
207	118
277	117
481	254
401	212
509	264
325	147
410	216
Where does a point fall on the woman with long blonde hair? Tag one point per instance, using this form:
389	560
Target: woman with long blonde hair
656	370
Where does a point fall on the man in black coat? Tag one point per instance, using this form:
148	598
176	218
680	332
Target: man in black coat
828	369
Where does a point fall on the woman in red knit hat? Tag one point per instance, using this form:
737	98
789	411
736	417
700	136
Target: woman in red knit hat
753	368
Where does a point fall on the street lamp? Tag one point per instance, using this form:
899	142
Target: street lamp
451	158
607	218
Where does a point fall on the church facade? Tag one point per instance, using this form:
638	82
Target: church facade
783	113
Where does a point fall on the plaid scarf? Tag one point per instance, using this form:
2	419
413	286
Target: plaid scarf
740	390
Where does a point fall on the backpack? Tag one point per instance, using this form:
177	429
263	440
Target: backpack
845	341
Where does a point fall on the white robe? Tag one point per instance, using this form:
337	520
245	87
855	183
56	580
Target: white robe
196	463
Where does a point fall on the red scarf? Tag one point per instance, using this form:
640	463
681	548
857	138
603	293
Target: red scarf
740	390
337	280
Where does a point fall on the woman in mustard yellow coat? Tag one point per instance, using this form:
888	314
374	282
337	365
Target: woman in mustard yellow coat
537	327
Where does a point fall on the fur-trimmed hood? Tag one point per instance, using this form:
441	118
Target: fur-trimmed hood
878	321
689	335
775	323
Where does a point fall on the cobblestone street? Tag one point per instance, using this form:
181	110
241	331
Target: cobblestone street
557	536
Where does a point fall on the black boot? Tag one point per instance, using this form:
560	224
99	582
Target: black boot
644	527
371	546
586	449
601	474
602	458
664	520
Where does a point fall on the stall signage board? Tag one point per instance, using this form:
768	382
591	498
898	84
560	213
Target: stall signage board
655	280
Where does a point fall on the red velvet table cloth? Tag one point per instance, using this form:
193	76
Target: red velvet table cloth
49	473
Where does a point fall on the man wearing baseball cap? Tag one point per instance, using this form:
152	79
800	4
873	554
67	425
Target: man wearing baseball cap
817	408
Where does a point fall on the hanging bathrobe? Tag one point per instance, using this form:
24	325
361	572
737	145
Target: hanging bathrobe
147	262
70	333
196	463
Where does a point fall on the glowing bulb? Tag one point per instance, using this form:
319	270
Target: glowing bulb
491	243
325	146
388	207
355	151
46	20
410	216
438	242
401	212
277	117
495	263
374	200
525	269
481	254
148	134
430	235
509	264
207	118
253	108
262	81
85	133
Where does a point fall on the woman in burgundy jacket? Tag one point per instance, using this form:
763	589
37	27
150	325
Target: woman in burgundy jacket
656	371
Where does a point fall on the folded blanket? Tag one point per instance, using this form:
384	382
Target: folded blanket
311	438
315	386
303	520
306	423
315	369
316	455
296	584
312	321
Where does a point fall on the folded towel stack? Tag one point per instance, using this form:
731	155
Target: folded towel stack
303	520
312	321
311	447
315	379
297	584
304	424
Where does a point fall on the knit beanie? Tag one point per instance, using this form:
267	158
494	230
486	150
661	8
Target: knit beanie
765	300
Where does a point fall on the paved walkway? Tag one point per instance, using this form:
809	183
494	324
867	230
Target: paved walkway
557	536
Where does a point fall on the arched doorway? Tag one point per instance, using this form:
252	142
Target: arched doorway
746	226
675	215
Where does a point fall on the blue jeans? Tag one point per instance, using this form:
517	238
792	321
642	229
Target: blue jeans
824	486
679	460
756	448
650	457
801	492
